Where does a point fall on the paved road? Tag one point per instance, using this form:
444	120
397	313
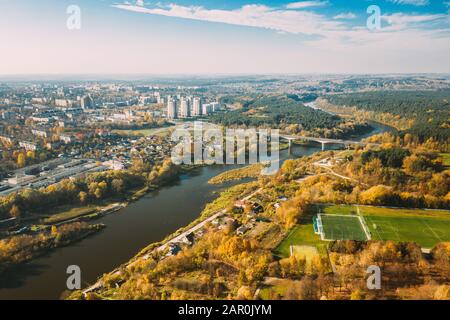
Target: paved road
198	226
331	171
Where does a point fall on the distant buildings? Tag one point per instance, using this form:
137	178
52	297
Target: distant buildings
86	102
6	140
8	115
66	139
206	109
28	146
197	107
172	112
63	103
186	107
39	133
114	164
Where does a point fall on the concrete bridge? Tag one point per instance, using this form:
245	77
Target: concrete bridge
323	141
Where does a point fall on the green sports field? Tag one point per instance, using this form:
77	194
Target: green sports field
425	231
340	227
301	234
425	227
445	159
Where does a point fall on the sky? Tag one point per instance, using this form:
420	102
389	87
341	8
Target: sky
177	37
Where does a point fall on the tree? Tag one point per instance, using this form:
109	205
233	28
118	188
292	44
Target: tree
54	231
98	193
83	196
356	295
378	195
117	185
21	160
15	212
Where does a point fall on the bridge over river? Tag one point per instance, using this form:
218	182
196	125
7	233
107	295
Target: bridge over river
323	141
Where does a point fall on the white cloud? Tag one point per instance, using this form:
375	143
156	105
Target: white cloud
289	21
411	2
306	4
345	16
403	21
140	3
293	21
404	33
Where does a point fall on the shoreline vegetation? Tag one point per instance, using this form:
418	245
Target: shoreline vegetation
250	171
23	248
38	234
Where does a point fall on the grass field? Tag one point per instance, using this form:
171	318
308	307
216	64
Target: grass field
303	251
144	132
305	243
301	234
445	159
425	231
64	214
425	227
338	227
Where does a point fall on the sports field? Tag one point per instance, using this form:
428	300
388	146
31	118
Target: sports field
301	234
425	227
445	159
342	227
425	231
303	251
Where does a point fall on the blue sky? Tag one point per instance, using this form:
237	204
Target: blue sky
218	37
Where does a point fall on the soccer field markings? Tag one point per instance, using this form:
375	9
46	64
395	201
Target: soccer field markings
344	228
431	229
376	230
364	226
395	230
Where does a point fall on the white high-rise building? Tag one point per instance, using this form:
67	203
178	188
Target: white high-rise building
185	111
207	109
86	102
215	106
172	112
197	107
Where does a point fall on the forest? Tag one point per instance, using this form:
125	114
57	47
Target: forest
276	110
289	114
429	110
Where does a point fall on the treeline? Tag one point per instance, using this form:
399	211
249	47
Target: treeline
407	274
90	189
150	124
18	249
392	157
429	110
275	111
250	171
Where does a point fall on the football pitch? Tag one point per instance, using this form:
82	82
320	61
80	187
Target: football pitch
426	232
425	227
342	227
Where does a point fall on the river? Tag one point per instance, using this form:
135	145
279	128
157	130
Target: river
150	219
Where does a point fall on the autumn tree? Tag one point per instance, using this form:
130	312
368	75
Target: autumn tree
15	212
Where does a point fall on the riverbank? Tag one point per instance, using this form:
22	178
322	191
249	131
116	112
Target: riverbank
23	248
39	228
156	215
